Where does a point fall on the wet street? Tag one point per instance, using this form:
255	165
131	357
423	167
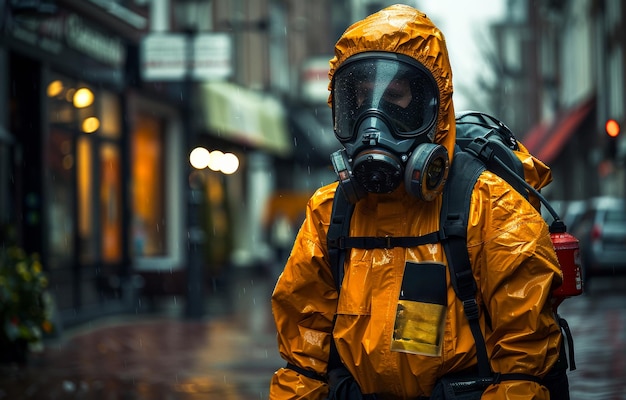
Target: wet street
598	323
232	355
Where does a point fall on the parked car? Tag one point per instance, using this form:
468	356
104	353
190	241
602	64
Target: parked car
601	230
559	207
569	211
573	211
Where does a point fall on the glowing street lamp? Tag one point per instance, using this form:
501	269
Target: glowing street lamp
230	163
199	158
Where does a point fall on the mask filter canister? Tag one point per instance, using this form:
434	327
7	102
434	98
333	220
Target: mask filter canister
378	171
427	171
347	183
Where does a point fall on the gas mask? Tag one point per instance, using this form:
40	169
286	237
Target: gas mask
385	113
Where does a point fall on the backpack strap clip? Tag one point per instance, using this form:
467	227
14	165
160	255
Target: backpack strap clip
337	243
480	147
470	306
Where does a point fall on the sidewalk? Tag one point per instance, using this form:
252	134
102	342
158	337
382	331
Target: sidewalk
164	356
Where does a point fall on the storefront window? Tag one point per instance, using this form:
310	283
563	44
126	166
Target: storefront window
83	173
110	113
149	230
85	185
110	203
60	164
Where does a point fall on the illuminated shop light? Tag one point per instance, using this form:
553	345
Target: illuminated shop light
90	124
215	161
55	88
199	158
69	95
230	163
82	98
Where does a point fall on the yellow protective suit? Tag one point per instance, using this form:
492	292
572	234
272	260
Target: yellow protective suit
512	258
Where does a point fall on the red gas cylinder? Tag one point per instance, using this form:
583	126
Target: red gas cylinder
568	252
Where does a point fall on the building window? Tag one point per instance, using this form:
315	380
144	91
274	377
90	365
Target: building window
149	224
110	203
59	180
83	173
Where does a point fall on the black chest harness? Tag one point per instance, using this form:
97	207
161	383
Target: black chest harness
476	155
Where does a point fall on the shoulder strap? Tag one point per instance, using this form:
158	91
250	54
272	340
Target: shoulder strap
339	241
464	172
457	195
339	228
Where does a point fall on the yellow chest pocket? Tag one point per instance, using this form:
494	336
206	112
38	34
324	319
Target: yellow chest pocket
421	309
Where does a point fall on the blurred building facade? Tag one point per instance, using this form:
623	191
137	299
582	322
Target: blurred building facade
560	69
101	186
106	100
67	88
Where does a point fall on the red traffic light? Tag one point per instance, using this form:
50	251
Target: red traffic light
612	128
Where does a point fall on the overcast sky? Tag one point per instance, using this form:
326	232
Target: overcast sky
465	25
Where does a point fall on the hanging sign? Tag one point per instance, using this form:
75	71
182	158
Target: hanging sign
171	56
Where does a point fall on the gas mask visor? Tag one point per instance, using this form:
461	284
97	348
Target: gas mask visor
392	87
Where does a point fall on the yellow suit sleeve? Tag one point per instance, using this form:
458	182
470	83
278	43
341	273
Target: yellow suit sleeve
517	271
304	302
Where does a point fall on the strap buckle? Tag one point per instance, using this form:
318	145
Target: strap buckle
338	243
470	306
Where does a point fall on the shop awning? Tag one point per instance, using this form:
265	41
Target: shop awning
242	115
536	135
314	139
545	141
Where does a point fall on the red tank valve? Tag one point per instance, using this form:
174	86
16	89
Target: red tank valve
567	250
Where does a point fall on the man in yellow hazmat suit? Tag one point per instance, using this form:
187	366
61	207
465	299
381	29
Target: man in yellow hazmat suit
391	95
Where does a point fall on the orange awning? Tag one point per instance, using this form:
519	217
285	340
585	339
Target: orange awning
545	141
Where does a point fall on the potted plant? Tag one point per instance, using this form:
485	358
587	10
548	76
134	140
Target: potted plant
25	305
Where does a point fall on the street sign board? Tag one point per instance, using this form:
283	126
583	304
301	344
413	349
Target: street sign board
163	57
171	56
212	56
